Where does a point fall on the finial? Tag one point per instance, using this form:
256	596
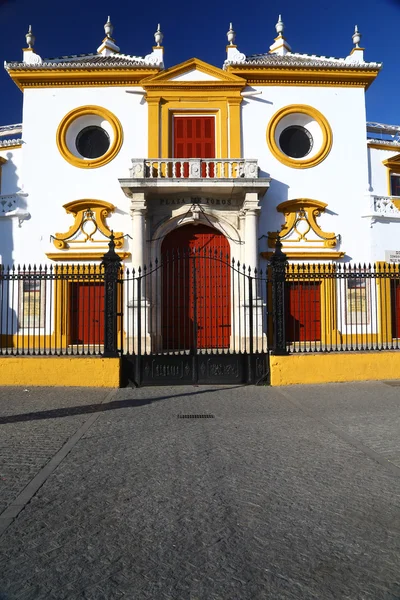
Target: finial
280	26
231	35
158	36
356	37
108	28
30	38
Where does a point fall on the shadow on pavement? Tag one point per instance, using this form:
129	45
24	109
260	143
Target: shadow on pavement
58	413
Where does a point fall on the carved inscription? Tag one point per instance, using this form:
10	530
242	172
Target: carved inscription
197	200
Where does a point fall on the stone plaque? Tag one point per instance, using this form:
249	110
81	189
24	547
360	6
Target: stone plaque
392	256
214	202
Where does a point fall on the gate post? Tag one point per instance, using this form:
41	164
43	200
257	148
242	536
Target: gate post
278	266
112	265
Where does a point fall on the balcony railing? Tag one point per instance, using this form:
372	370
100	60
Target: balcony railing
194	168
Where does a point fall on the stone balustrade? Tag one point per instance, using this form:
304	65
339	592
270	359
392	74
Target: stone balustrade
194	168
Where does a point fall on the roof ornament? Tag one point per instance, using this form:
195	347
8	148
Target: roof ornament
108	46
231	35
280	45
357	53
30	38
158	36
29	55
233	56
280	26
356	37
108	29
156	57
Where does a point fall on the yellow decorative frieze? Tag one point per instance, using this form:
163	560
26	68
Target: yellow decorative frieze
89	231
301	231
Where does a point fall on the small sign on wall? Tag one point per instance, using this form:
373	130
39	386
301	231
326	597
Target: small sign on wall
392	256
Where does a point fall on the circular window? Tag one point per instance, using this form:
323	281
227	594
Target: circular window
296	141
89	137
299	136
92	142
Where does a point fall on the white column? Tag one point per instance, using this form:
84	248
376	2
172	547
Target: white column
252	210
138	214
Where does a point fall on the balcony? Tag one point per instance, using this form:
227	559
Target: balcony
219	176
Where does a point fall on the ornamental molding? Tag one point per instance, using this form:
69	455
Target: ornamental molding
9	207
89	231
301	229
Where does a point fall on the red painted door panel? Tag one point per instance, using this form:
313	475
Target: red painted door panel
395	285
87	313
194	137
196	308
303	322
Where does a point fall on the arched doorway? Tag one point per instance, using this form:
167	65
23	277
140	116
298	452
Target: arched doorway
196	296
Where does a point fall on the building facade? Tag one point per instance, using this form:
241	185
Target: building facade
191	157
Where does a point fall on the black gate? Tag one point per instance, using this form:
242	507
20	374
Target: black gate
195	317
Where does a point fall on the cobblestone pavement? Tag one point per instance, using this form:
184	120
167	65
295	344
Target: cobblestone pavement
287	493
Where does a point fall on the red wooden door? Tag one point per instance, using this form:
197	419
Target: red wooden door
395	285
196	310
303	322
87	313
194	137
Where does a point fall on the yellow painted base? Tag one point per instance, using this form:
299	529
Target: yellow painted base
330	368
74	371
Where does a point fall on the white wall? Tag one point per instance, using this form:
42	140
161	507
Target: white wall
340	180
52	182
11	235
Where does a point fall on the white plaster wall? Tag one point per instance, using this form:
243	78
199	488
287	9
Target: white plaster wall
52	182
11	235
340	180
11	171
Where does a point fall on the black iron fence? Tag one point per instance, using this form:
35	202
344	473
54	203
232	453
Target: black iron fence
336	307
52	310
198	303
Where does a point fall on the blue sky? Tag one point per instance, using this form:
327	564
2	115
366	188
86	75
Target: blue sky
191	29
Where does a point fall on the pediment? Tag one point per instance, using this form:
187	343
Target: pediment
193	71
393	162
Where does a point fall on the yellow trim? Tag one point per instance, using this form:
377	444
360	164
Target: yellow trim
12	147
170	110
60	371
307	210
153	127
304	76
393	167
88	256
356	50
89	77
384	147
303	163
164	78
221	98
334	367
307	255
82	111
77	208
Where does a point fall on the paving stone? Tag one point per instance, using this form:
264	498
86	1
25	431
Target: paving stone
263	501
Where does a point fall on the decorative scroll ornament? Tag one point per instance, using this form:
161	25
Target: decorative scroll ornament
89	231
301	229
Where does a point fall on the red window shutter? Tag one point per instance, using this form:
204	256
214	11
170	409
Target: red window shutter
194	137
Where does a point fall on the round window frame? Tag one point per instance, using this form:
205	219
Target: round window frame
300	163
89	163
